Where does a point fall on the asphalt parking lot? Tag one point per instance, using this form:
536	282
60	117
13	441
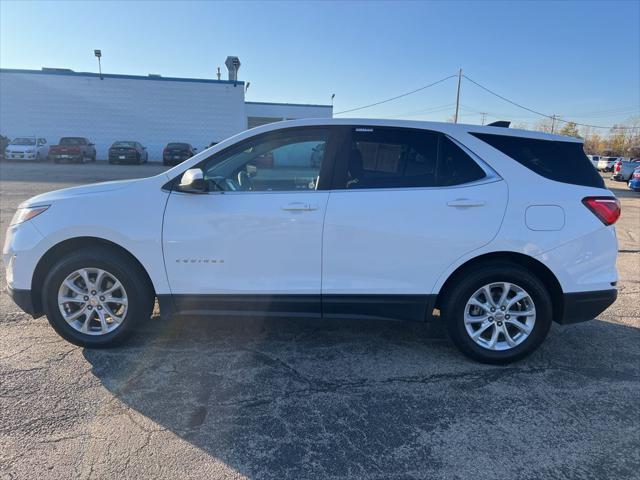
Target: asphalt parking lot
278	399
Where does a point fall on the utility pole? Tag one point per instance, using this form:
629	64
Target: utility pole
553	122
484	117
455	120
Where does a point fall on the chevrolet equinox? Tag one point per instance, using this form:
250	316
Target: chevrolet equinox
496	231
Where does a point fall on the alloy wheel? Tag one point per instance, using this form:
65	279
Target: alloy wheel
499	316
93	301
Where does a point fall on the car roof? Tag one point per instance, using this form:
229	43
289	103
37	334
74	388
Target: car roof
444	127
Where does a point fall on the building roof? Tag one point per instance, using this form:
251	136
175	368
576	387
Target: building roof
290	104
71	73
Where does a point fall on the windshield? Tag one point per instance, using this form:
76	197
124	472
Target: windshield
24	141
72	141
124	144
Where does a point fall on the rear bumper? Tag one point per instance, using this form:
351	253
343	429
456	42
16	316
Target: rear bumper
66	156
582	306
24	300
127	158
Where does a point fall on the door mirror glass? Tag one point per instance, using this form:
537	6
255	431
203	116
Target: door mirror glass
192	181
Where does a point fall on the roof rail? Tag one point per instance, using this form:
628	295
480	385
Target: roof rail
500	123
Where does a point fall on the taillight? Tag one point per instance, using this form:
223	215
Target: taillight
607	209
636	175
618	166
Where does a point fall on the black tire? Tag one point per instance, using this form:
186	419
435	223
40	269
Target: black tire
139	292
453	309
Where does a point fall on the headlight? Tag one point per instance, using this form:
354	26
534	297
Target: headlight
27	213
31	151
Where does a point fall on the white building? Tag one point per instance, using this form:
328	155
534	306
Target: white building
153	110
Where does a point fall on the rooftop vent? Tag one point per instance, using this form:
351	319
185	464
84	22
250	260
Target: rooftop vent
54	69
155	75
233	65
500	123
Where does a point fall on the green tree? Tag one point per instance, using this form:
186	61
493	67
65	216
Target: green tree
570	129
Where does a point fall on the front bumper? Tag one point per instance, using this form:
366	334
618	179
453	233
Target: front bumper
24	300
583	306
20	156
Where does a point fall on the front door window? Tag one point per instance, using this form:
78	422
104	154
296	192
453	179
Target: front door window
279	162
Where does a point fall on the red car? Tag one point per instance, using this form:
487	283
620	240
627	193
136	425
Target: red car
73	149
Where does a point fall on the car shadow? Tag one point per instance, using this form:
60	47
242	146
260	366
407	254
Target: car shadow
290	398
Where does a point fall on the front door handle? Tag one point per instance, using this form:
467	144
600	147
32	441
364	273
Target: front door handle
466	203
299	207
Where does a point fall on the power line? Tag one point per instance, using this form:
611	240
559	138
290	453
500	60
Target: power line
436	109
551	117
397	97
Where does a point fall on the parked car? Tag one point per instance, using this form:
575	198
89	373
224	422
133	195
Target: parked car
177	152
128	152
73	149
396	219
634	181
605	164
623	169
594	160
27	148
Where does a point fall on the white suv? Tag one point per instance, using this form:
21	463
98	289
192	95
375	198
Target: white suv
482	226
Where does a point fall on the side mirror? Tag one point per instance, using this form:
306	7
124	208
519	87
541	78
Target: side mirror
92	144
192	181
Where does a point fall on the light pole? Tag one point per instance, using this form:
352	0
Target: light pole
98	54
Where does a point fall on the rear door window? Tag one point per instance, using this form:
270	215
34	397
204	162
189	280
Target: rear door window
403	158
556	160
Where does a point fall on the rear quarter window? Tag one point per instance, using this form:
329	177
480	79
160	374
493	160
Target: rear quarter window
563	162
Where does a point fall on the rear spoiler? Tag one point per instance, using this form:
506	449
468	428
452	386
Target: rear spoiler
500	123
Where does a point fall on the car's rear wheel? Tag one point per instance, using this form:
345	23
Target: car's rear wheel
94	297
498	313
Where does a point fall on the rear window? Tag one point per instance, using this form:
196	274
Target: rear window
184	146
72	141
556	160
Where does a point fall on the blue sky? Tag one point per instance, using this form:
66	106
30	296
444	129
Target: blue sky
580	60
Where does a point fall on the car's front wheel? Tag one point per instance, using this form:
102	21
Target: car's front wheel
498	313
93	297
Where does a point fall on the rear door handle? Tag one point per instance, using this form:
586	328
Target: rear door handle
466	203
299	207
